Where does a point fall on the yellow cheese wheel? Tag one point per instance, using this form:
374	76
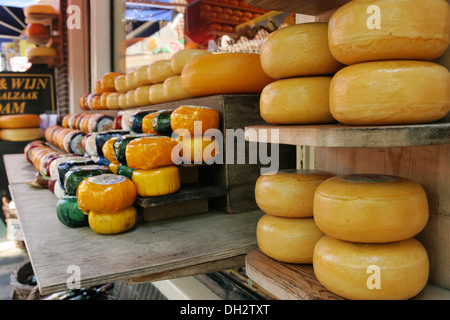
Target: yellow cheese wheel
173	90
104	98
39	8
120	83
112	222
149	152
113	167
391	271
112	101
180	58
390	92
288	193
108	150
28	134
108	80
157	182
40	51
147	123
142	96
123	100
370	208
130	81
106	193
298	50
224	73
131	99
198	150
389	30
280	103
19	121
160	70
141	76
156	93
289	240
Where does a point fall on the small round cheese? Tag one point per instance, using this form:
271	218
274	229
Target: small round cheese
159	71
390	92
157	182
40	51
108	81
391	271
180	58
289	240
280	103
288	193
173	90
112	101
149	152
362	31
120	83
142	95
130	81
156	93
298	50
141	76
370	208
112	222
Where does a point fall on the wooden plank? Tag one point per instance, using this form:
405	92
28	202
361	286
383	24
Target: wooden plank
147	249
309	7
429	166
18	170
339	135
175	210
285	281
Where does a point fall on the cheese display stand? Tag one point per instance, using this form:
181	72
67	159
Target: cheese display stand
360	191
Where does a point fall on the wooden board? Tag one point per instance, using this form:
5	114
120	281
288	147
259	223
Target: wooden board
18	170
309	7
339	135
285	281
164	247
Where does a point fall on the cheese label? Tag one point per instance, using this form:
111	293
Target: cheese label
369	178
106	179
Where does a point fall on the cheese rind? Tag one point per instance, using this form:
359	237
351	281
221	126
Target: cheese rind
289	193
289	240
391	271
156	182
370	208
280	103
20	121
298	50
21	134
182	57
112	222
173	90
149	152
407	30
159	71
390	92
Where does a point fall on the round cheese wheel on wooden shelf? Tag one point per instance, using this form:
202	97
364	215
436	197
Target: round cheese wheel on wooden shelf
112	222
405	30
112	101
149	152
40	52
182	57
224	73
156	93
141	76
123	100
159	71
108	150
157	182
21	134
147	123
391	271
194	119
142	95
289	240
198	150
173	90
20	121
370	208
289	193
106	193
120	83
280	103
298	50
390	92
131	99
108	81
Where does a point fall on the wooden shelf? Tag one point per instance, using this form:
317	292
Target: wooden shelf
338	135
150	251
309	7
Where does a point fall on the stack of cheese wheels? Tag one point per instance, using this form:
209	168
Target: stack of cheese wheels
224	73
299	58
196	128
287	232
88	122
20	127
369	251
104	94
390	79
66	139
108	200
149	159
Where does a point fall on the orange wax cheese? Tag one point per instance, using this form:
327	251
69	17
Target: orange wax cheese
149	152
289	240
182	57
356	271
224	73
157	182
298	50
390	92
361	31
19	121
370	208
112	222
289	193
194	120
106	193
280	103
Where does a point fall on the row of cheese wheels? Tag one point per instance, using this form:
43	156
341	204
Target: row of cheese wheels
88	122
20	127
344	225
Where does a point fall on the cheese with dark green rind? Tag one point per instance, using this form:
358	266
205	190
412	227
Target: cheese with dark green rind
136	121
120	145
161	123
102	137
69	214
65	166
126	171
77	174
